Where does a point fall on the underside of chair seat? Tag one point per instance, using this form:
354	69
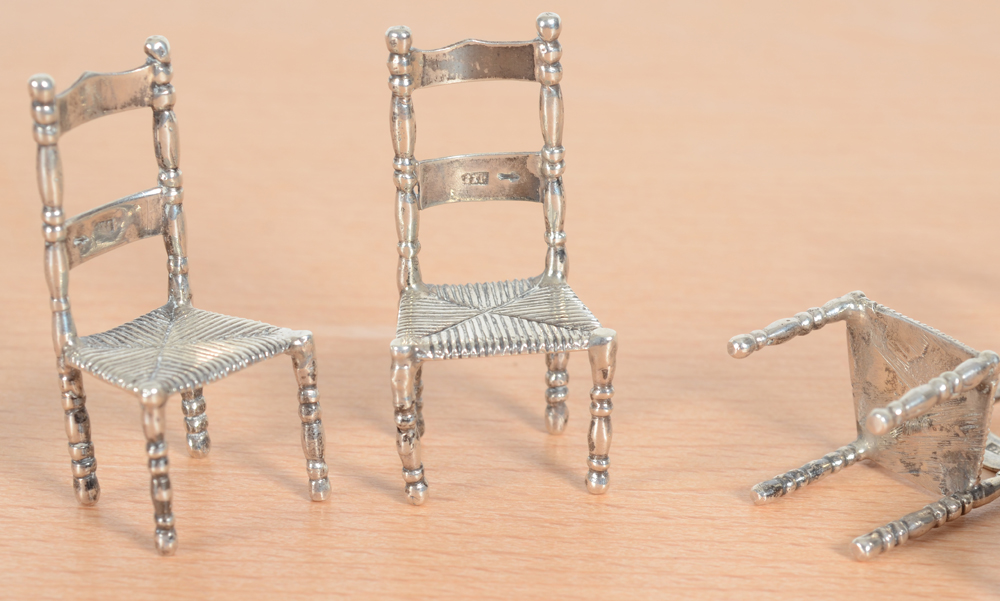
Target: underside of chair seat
496	318
178	348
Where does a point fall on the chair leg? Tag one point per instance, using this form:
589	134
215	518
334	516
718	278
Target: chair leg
418	400
313	445
81	449
405	367
198	441
603	350
154	426
557	379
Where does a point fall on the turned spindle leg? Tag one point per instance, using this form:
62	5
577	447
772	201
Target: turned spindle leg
304	362
405	367
603	350
790	481
154	426
81	449
919	523
196	422
418	398
557	379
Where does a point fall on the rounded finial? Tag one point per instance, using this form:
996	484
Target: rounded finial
158	48
548	26
741	346
42	88
398	39
879	422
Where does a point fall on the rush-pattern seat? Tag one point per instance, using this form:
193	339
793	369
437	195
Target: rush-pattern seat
173	349
540	314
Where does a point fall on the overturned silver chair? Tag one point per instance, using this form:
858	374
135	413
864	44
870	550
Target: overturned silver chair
923	403
536	315
173	349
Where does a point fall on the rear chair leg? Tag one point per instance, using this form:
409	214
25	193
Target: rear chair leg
154	426
81	449
418	401
405	367
790	481
603	350
304	362
193	404
557	379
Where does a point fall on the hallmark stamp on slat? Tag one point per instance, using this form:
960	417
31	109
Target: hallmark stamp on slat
476	178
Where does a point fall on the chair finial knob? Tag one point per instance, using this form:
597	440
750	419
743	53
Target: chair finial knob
158	48
548	25
42	88
398	39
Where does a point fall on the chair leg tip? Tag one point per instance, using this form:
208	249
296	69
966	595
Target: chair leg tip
199	445
166	541
556	417
87	489
597	482
319	490
417	492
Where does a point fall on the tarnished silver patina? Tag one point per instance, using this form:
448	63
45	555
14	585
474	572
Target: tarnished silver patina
541	314
923	403
176	348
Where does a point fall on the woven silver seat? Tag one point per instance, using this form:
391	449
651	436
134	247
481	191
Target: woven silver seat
173	349
536	315
176	348
498	318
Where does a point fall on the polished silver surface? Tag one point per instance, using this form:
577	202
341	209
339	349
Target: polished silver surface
173	349
541	314
923	401
918	523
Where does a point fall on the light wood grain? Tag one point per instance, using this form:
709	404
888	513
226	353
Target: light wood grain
728	164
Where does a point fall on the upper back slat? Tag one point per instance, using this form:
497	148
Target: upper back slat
98	94
472	60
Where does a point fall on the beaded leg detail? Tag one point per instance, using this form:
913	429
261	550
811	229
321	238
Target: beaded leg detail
304	362
603	350
196	422
557	379
418	400
154	426
81	449
405	368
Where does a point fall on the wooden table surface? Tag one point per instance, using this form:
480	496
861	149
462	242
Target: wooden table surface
729	163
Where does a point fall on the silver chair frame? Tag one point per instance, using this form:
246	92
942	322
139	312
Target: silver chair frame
926	427
537	315
176	348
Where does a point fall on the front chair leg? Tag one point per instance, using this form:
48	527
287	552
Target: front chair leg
81	449
304	362
154	426
557	379
405	367
196	422
603	350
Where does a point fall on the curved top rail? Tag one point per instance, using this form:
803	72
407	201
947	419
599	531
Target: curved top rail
473	60
98	94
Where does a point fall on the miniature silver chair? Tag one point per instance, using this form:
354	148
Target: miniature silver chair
173	349
536	315
923	403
